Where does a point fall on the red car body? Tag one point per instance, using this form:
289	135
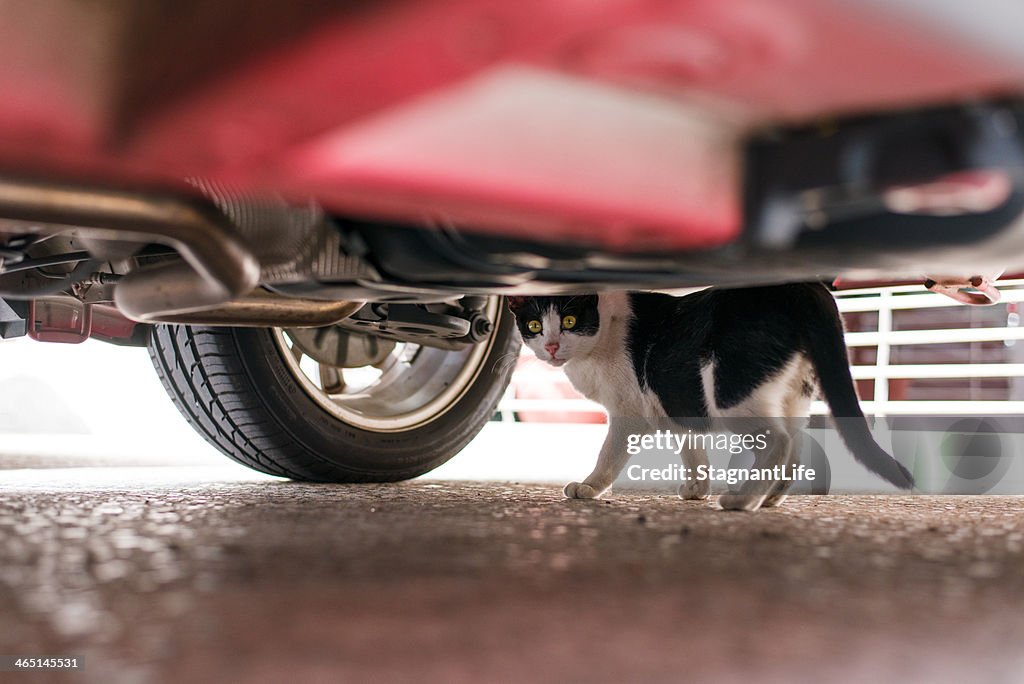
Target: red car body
614	122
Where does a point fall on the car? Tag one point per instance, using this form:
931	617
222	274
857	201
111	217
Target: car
542	394
310	213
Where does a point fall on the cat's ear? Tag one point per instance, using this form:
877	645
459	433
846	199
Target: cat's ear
515	303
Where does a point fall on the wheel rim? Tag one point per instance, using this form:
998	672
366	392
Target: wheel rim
413	386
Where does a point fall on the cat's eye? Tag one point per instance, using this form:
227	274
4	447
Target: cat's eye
569	322
534	326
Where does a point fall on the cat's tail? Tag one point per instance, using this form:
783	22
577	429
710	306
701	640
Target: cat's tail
827	349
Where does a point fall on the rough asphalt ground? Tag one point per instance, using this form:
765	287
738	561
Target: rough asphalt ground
155	577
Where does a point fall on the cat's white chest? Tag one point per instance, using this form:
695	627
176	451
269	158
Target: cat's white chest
583	374
610	381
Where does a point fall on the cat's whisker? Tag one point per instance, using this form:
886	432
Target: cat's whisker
505	362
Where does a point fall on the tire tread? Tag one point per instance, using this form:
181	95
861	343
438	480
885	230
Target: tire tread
205	373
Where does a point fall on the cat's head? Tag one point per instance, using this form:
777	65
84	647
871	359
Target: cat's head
557	329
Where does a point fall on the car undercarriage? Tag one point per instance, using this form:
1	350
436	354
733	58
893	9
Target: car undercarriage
322	207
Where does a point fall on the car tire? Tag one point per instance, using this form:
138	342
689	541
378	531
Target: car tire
237	389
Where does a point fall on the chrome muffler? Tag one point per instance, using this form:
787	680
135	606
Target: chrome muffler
216	283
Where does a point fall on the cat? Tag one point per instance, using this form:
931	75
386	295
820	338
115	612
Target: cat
759	353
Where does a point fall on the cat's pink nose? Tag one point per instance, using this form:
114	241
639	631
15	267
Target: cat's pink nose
552	348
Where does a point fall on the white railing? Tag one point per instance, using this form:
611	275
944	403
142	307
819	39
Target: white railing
883	301
887	300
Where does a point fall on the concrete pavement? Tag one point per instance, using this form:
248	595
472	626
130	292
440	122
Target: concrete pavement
174	574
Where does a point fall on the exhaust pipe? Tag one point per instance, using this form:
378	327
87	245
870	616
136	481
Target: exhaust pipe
218	268
216	283
260	309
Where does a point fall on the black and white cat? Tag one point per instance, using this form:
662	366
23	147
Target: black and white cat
756	353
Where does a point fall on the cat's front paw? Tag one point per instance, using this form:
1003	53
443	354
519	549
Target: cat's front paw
580	490
740	502
695	490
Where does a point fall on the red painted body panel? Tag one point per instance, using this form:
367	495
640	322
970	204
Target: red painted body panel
613	122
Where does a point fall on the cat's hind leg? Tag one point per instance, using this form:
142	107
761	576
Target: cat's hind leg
694	489
610	462
754	492
796	411
776	404
779	493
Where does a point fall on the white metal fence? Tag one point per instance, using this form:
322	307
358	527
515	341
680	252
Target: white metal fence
884	302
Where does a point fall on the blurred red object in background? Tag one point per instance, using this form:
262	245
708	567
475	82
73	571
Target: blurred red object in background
534	379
